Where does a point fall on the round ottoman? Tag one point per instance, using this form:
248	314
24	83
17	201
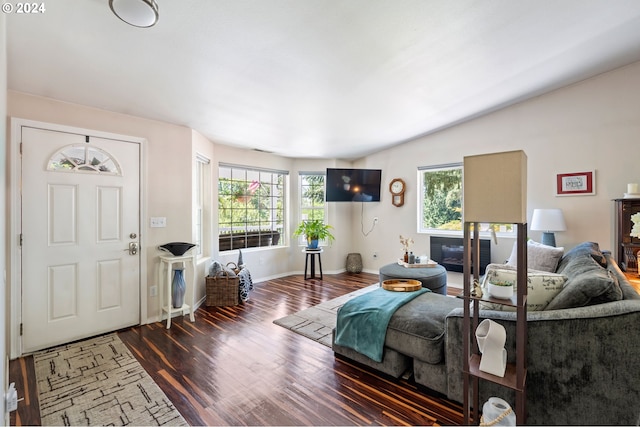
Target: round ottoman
434	278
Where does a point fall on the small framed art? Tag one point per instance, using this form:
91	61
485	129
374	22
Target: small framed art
576	184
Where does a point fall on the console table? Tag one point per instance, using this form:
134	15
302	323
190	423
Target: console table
167	261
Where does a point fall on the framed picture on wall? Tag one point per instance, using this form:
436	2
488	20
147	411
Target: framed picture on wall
576	184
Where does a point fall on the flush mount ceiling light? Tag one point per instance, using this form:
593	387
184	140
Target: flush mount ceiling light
139	13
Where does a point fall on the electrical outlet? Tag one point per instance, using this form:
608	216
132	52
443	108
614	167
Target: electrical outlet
158	222
153	291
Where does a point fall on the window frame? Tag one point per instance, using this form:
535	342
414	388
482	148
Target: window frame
302	206
241	189
201	202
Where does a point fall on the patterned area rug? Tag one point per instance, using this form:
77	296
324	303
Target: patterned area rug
99	382
318	322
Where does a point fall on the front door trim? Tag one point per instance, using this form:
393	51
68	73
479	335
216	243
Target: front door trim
15	219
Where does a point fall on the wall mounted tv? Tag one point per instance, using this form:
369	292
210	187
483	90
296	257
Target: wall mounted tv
353	185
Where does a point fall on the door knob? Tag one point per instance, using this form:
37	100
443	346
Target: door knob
133	248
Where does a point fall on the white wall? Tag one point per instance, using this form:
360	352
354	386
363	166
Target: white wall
592	125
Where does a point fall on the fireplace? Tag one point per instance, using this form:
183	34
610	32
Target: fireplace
449	253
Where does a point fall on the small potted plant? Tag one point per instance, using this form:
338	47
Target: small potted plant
314	230
500	289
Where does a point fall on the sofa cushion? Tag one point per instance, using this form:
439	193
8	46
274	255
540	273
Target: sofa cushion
542	286
586	248
588	283
417	328
539	257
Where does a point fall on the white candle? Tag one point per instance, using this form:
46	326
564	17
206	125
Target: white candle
632	188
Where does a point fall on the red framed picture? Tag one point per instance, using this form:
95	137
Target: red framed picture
576	184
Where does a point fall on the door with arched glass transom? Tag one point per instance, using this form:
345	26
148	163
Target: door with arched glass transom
80	228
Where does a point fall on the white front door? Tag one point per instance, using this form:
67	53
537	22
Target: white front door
80	217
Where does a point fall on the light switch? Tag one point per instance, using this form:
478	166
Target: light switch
158	221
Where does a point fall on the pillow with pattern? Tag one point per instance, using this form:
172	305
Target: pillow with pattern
542	287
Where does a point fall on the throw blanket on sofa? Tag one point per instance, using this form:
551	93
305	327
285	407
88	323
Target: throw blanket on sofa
362	321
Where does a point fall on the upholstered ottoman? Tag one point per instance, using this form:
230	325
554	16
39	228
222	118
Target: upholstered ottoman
434	278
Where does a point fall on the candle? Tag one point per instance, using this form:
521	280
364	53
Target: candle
632	188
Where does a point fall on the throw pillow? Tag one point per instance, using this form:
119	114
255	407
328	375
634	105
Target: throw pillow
588	284
539	257
542	287
586	248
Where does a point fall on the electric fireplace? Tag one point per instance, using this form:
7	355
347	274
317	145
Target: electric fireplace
449	253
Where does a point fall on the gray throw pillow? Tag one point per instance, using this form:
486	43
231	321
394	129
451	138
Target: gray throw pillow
587	284
586	248
539	257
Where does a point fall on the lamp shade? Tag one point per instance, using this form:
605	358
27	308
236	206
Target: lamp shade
495	188
548	220
139	13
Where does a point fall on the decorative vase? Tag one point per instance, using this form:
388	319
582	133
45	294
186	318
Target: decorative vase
354	263
406	257
497	412
491	337
178	288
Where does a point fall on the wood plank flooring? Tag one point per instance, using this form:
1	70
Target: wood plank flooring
233	366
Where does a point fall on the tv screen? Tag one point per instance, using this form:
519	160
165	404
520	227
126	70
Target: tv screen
353	185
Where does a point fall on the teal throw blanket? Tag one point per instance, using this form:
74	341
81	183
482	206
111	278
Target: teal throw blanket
362	321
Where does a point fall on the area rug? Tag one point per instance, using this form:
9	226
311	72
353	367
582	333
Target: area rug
99	382
318	322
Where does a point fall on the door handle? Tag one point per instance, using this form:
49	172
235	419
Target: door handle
133	248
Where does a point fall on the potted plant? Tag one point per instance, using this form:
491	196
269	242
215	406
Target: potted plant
500	289
314	230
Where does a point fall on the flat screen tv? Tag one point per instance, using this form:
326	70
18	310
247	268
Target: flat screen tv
353	185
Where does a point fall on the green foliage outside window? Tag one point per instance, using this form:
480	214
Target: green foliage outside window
442	202
312	197
251	203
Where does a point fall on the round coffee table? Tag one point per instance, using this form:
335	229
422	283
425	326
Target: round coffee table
434	278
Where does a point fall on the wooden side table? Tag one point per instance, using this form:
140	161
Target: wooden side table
167	261
310	253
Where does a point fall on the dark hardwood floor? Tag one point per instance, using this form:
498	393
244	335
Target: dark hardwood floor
233	366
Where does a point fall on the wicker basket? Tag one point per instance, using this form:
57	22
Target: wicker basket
222	290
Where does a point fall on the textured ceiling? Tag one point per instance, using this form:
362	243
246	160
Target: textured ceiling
317	78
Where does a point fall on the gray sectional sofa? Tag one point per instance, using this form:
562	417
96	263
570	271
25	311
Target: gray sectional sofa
583	348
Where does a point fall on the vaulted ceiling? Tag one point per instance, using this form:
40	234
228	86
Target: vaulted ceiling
317	78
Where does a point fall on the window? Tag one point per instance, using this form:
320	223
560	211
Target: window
83	158
200	212
312	200
441	201
312	205
251	207
441	198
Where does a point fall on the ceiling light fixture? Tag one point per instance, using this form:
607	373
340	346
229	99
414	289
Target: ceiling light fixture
139	13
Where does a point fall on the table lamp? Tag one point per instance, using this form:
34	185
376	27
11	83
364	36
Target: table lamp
548	221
